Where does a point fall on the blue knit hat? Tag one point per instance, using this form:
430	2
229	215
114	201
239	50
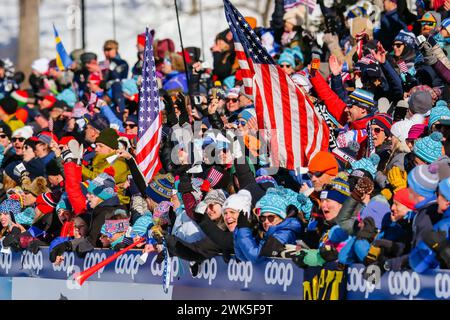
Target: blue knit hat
287	58
379	209
103	186
68	96
439	113
408	38
369	164
160	189
142	224
64	203
26	217
129	87
424	180
11	207
363	99
338	190
429	148
296	52
276	200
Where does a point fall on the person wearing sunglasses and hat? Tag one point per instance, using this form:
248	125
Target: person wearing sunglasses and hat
287	63
430	22
114	67
279	226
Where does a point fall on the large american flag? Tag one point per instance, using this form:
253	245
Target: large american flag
150	119
295	130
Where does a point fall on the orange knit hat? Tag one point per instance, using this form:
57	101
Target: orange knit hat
324	162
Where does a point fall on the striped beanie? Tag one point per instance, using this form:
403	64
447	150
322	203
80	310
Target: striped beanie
338	190
46	202
103	186
429	148
384	121
142	224
160	189
363	99
439	113
446	24
424	180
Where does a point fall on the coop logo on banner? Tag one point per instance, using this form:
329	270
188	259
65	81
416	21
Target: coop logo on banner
404	283
208	270
32	261
6	261
93	258
157	269
442	286
240	271
357	283
67	264
279	273
127	264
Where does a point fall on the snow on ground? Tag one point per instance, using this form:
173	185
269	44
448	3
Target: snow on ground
132	16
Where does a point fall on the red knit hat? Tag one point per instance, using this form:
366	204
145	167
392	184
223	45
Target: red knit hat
46	203
403	196
324	162
384	121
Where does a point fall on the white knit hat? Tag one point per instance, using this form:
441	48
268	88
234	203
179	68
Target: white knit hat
241	201
400	129
24	132
40	65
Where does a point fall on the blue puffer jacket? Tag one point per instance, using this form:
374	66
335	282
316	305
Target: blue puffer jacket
422	257
247	248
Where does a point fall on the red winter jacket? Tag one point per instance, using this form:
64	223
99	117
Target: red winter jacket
76	197
334	104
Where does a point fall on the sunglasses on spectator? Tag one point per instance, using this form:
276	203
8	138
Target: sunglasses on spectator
108	49
3	136
241	122
129	125
285	65
428	23
316	174
271	218
18	139
232	100
398	45
377	130
437	126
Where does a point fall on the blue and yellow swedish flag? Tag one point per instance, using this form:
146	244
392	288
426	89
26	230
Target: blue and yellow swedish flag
63	60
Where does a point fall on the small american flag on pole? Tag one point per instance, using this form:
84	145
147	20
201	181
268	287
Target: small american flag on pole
150	119
402	66
295	130
288	4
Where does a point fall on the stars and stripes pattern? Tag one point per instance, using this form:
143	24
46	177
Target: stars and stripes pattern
311	4
150	119
402	66
292	127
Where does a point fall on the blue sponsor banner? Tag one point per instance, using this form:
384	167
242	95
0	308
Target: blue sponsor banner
397	285
274	278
